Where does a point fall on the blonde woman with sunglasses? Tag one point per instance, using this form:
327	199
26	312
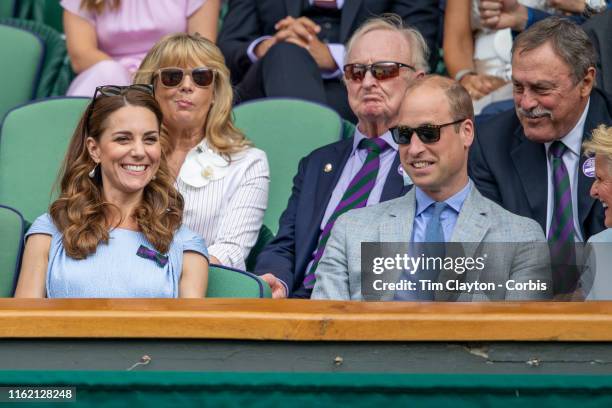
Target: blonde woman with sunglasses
107	39
115	230
223	179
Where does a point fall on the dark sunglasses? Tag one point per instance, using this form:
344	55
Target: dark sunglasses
380	70
172	77
427	133
114	90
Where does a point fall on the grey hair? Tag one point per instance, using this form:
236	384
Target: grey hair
570	42
392	22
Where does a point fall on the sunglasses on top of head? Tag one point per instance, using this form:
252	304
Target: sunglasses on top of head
380	70
114	90
427	133
173	77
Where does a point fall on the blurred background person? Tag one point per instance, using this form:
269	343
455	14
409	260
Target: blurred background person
476	56
115	230
499	14
296	48
107	39
223	179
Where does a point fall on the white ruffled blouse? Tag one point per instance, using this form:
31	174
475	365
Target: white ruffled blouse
225	199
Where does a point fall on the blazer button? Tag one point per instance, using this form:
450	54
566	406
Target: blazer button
327	25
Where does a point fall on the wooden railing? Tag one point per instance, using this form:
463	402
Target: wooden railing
292	320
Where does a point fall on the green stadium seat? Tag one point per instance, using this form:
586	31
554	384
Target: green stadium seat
49	12
56	72
12	229
33	142
22	55
348	129
224	282
265	236
287	130
7	8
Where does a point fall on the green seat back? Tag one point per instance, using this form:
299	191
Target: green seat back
7	8
11	244
33	142
265	236
22	54
287	130
348	129
56	72
49	12
226	282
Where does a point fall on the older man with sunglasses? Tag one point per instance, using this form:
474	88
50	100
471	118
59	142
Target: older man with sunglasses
383	59
434	135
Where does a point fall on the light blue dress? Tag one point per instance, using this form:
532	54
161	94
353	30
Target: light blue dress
115	270
597	276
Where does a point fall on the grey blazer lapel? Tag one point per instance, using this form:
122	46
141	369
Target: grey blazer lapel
397	226
473	221
471	227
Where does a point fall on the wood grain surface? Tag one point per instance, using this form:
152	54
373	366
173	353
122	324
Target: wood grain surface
267	319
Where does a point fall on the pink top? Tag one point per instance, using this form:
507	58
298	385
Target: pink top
127	34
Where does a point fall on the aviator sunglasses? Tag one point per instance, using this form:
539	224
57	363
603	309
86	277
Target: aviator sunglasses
172	77
380	70
114	90
427	133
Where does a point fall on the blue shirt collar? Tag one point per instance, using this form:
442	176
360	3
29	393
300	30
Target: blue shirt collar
456	201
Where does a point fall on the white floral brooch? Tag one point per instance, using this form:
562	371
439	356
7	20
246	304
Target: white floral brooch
202	165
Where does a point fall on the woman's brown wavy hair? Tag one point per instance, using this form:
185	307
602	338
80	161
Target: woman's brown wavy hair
81	214
193	50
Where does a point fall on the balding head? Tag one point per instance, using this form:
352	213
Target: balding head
459	101
435	121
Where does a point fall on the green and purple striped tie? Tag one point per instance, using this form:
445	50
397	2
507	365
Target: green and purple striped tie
355	196
561	235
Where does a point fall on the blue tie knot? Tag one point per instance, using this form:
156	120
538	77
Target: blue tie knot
438	207
557	149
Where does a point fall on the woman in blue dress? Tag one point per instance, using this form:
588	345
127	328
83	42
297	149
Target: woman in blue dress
115	230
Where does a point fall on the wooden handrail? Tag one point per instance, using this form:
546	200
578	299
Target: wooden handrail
297	320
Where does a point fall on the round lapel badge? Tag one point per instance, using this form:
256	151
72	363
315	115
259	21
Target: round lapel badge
588	167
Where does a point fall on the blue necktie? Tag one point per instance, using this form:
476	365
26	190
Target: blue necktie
433	247
434	231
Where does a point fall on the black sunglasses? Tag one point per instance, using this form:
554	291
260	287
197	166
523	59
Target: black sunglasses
427	133
380	70
173	77
114	90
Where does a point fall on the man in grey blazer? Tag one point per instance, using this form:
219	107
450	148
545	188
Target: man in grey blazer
435	132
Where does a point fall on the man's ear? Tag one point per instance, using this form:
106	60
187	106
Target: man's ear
93	149
467	132
588	82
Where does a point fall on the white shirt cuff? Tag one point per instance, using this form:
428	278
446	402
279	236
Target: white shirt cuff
251	49
337	53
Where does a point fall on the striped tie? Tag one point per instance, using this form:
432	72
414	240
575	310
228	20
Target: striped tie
561	232
355	196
